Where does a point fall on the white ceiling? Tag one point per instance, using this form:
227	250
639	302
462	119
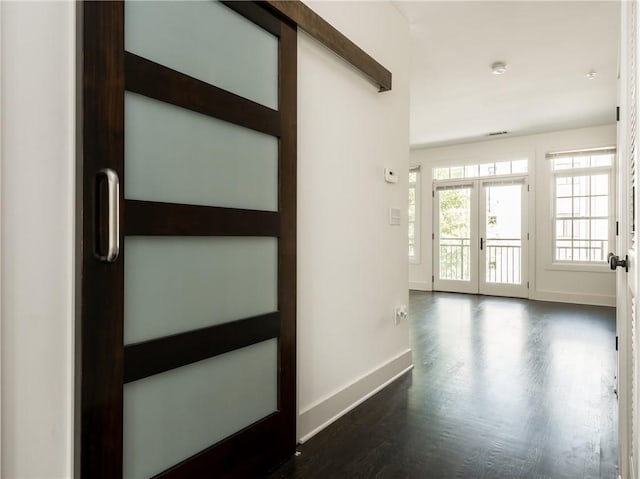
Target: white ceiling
548	47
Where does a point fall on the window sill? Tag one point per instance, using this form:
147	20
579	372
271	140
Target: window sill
579	267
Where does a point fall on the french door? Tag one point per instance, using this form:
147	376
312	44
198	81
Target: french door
186	248
480	237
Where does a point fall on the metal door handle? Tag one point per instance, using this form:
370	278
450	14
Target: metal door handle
616	262
480	244
113	229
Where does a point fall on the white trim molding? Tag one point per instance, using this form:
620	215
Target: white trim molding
419	285
574	298
324	412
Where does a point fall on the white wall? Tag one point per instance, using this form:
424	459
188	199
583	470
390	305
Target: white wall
37	201
352	268
547	281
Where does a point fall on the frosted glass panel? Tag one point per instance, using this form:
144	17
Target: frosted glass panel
178	156
177	284
171	416
207	41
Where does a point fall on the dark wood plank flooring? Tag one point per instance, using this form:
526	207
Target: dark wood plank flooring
502	388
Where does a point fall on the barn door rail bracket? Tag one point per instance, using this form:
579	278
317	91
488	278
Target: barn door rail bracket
313	24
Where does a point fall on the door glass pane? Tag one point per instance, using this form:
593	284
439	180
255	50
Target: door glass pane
175	155
503	222
177	284
455	234
207	41
176	414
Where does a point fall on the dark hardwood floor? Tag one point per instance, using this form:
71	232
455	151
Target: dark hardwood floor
502	388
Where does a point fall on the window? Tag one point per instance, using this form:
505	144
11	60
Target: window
582	183
485	169
414	215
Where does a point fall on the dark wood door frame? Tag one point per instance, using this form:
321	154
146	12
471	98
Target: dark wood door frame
103	363
316	26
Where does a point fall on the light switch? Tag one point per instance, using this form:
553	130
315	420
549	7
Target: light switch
394	216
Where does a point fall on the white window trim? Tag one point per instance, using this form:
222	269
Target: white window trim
417	247
481	178
478	166
582	266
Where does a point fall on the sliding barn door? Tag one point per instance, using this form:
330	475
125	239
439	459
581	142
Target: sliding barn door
187	193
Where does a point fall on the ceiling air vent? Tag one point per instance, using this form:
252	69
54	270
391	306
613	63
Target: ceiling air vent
497	133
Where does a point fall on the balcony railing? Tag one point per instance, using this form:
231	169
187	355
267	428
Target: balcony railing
503	260
503	264
454	259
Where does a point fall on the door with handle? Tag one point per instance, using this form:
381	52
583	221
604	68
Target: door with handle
186	334
480	237
616	262
624	261
455	245
503	261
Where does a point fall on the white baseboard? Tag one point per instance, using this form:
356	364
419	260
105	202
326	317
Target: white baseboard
326	411
420	285
560	297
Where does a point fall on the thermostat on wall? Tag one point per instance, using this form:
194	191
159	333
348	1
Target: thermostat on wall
390	176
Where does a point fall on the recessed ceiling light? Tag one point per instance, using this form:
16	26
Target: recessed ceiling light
591	74
498	68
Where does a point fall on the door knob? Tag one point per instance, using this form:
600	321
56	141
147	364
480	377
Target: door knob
616	262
